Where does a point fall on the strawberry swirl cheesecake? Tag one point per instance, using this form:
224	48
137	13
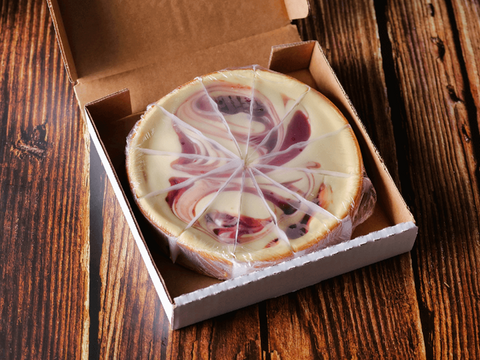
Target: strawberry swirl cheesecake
244	168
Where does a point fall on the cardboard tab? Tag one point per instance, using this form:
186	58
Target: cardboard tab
297	9
288	58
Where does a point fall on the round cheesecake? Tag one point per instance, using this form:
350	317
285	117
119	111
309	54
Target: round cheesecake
241	169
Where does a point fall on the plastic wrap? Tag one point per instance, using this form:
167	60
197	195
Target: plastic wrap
244	168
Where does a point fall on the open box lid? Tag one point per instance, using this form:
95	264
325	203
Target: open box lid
110	45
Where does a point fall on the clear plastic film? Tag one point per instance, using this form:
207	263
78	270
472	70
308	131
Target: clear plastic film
245	168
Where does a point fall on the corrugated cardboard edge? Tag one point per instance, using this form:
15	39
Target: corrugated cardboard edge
62	40
293	275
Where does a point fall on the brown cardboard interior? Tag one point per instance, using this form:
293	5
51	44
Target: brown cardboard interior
310	67
111	36
149	82
109	45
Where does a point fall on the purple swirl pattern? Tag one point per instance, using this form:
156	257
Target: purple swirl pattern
224	155
241	170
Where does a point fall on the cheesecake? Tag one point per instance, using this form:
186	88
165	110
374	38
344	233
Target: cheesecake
245	168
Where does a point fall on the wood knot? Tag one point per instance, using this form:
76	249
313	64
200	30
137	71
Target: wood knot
440	47
466	134
453	94
432	9
32	144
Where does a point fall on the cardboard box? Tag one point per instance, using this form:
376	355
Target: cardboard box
121	56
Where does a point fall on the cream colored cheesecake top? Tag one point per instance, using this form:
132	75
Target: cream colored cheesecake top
245	165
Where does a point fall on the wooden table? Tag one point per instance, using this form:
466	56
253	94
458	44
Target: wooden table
412	70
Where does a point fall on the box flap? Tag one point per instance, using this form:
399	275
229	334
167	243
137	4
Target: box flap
170	72
101	38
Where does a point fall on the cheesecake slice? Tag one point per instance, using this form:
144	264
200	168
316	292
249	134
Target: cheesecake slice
241	169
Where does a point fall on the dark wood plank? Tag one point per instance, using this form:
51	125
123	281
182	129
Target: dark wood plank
364	314
433	89
467	23
127	318
232	336
44	248
436	116
372	312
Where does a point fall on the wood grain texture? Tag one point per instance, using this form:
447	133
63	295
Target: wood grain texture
411	69
467	24
444	190
365	314
44	248
232	336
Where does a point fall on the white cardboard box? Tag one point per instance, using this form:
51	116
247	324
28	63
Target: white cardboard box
144	66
